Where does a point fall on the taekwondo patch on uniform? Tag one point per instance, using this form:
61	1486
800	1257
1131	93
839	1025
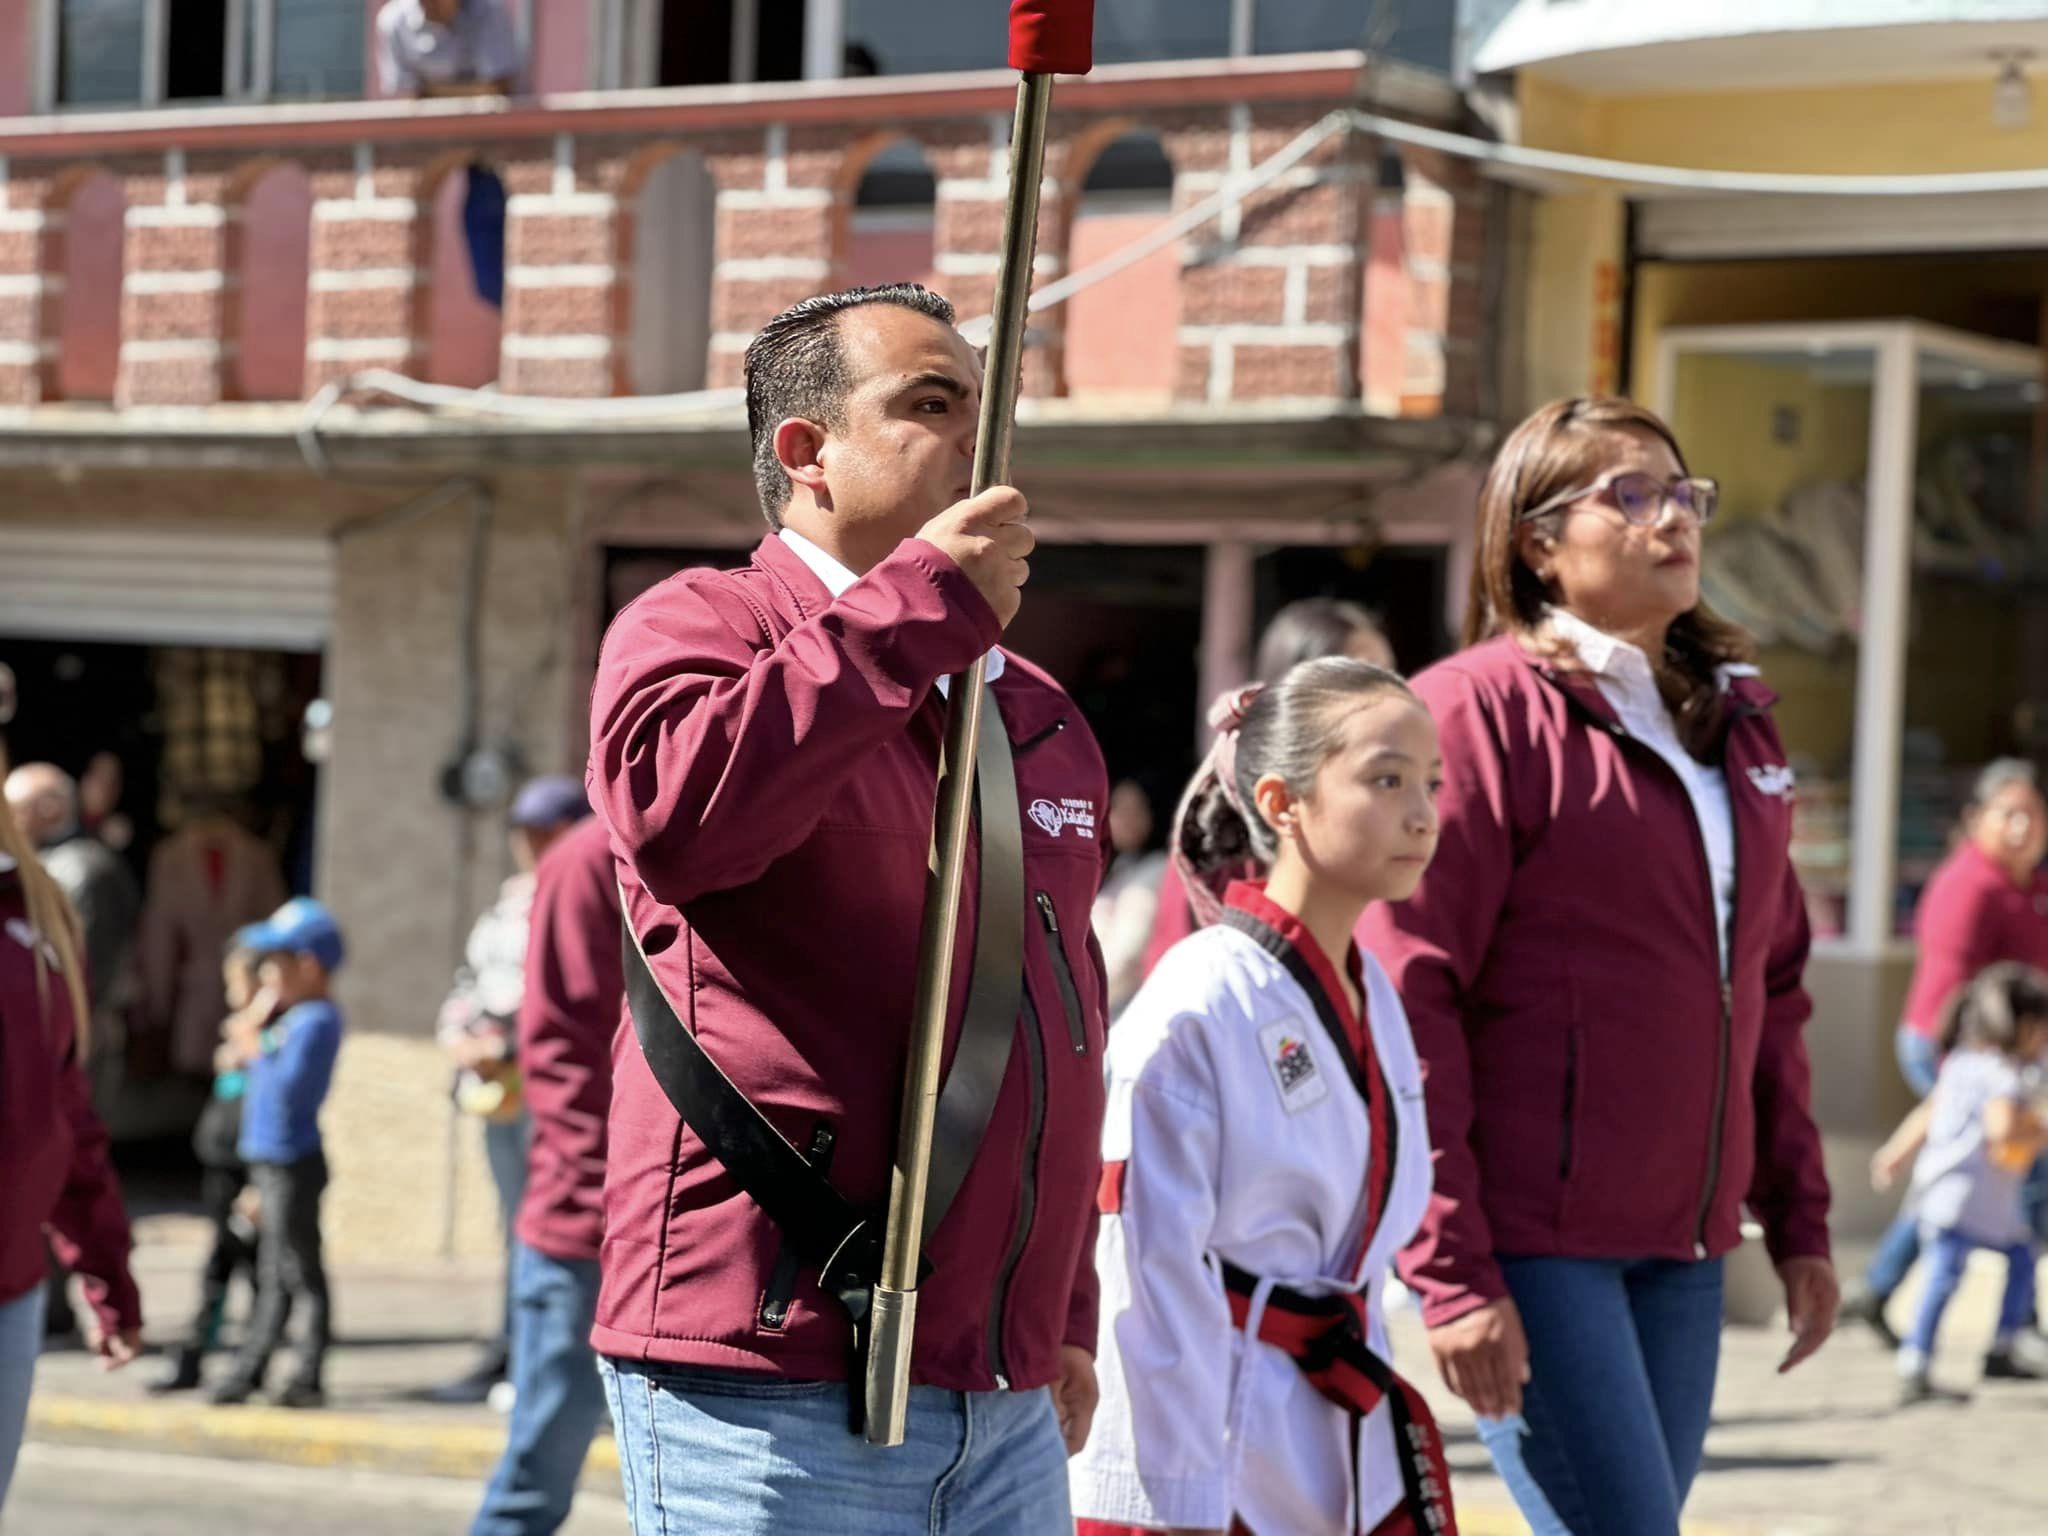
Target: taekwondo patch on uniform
1295	1072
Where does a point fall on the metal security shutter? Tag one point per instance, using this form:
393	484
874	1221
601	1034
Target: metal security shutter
166	586
1702	228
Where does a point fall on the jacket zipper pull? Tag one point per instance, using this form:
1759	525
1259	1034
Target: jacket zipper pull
1052	918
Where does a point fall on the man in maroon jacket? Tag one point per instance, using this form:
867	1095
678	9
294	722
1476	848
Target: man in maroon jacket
568	1012
764	747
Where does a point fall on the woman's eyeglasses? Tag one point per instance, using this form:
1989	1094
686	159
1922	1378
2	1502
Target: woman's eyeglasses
1641	498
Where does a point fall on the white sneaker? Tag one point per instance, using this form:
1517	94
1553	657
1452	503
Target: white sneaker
502	1396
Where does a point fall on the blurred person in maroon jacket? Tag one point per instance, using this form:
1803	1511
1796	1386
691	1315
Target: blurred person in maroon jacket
568	1013
1306	630
1604	969
55	1178
764	747
1988	902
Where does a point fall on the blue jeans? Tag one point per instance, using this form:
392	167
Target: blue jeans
505	1154
1948	1253
21	1340
1622	1358
753	1455
559	1401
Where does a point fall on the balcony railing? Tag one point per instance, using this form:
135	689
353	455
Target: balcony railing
186	258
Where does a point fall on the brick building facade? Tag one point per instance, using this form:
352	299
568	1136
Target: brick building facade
1328	385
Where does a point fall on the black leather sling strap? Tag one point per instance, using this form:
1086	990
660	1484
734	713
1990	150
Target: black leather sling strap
841	1241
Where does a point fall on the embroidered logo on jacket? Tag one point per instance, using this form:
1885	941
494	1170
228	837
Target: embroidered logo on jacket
1288	1058
22	934
1053	817
1776	781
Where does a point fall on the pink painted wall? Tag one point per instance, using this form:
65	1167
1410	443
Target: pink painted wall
90	331
277	231
891	251
462	330
561	46
17	57
1383	335
1121	333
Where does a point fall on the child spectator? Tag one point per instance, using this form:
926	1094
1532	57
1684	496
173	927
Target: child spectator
223	1175
1975	1138
290	1064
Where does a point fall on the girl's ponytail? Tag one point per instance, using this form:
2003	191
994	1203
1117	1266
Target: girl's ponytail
1212	829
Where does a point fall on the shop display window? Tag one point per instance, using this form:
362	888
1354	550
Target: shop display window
1881	534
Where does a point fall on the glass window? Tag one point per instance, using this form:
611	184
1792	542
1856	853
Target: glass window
317	49
898	39
1132	31
99	52
1419	31
1975	633
1787	433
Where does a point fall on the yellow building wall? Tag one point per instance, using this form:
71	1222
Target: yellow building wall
1576	237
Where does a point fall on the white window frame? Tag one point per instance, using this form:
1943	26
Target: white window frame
248	68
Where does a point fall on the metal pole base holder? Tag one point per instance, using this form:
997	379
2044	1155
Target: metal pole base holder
891	1325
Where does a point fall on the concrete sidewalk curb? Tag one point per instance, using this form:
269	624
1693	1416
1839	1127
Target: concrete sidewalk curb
304	1438
344	1440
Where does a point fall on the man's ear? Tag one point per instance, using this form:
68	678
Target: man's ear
799	449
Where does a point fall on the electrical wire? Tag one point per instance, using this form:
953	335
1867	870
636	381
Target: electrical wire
1513	160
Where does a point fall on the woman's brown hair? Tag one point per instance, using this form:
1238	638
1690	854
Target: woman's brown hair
1560	447
51	915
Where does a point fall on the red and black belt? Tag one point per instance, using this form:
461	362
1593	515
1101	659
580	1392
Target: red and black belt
1326	1336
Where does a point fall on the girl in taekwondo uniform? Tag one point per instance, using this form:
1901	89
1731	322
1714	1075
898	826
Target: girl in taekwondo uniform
1265	1152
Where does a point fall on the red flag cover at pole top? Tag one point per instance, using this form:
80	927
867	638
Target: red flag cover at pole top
1052	37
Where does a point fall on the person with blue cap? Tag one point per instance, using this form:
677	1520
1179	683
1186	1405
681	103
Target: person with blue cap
289	1065
479	1025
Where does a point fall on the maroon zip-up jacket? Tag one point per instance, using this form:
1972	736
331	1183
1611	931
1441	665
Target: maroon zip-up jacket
54	1173
765	758
575	987
1593	1091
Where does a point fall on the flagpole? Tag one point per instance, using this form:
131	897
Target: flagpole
893	1319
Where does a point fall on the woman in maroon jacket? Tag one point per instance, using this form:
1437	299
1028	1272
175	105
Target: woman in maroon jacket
1603	968
54	1175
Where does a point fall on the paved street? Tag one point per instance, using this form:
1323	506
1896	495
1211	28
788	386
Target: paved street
1823	1451
1819	1453
87	1491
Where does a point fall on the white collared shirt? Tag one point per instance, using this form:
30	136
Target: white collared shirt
1626	681
838	578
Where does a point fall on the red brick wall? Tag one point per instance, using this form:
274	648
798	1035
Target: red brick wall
1320	289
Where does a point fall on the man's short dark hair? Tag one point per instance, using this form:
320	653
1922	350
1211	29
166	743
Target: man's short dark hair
796	367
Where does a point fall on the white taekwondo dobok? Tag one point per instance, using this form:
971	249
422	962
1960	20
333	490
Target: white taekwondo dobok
1243	1139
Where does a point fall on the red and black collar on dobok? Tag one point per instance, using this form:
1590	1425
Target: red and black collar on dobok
1280	934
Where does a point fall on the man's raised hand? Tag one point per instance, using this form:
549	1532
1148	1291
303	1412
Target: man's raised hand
988	537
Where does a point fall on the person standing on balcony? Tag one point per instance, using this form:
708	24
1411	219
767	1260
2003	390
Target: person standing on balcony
458	48
1604	970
